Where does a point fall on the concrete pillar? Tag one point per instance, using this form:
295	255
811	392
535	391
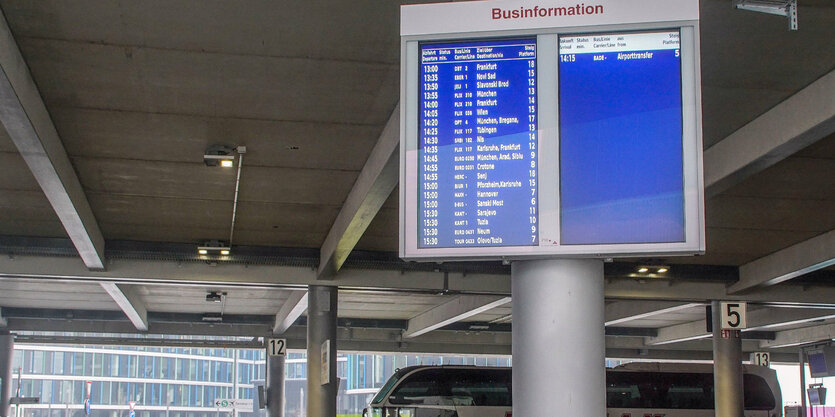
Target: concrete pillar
321	327
275	386
801	356
559	348
6	355
727	367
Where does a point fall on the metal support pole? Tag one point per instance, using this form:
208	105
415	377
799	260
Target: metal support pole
801	359
321	329
235	353
6	355
275	386
727	367
559	349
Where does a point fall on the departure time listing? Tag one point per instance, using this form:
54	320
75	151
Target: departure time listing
477	144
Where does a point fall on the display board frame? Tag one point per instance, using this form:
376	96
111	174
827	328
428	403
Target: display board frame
547	76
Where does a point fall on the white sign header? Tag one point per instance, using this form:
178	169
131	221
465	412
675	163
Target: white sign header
496	15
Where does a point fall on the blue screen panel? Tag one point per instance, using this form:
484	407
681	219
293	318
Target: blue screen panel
621	173
477	145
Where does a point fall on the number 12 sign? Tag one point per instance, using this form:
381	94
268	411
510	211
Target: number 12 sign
733	315
276	347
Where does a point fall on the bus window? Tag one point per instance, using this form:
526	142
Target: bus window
678	391
455	387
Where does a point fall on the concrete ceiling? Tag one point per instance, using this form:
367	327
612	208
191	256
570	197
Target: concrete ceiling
137	90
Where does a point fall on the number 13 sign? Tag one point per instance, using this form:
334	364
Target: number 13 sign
733	315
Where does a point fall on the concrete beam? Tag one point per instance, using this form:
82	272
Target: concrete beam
130	303
129	271
290	311
683	332
374	185
797	122
455	310
625	311
801	336
792	262
30	127
762	319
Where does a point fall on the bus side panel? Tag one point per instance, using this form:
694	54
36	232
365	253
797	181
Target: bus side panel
636	412
471	411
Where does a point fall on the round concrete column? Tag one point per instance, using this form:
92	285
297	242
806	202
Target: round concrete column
559	349
275	386
727	367
321	327
6	355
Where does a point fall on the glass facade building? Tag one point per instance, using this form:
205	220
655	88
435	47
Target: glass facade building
185	382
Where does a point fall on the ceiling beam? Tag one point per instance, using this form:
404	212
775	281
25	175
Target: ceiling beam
684	332
128	300
792	262
161	272
761	319
625	311
452	311
290	311
374	185
795	337
28	123
795	123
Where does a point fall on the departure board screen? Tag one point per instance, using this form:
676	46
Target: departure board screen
621	166
477	144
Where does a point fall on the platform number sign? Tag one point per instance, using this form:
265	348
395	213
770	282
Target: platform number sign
733	315
276	347
761	359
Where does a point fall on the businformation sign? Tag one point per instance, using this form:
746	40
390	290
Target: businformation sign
531	130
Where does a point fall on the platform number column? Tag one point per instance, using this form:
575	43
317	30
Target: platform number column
532	141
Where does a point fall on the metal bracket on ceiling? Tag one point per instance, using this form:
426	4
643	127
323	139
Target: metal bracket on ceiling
785	8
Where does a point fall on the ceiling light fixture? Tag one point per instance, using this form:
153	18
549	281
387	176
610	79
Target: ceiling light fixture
662	270
643	270
214	297
219	155
214	248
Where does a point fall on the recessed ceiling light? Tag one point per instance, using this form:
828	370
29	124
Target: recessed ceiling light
227	163
662	270
224	252
643	270
202	251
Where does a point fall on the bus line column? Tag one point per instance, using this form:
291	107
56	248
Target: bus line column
322	387
6	355
727	367
559	346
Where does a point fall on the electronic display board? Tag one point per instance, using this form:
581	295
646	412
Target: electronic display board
477	148
621	172
549	137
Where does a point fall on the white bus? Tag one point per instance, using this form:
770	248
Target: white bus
632	390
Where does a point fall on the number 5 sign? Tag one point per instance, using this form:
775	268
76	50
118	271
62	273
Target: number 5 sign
276	347
733	315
